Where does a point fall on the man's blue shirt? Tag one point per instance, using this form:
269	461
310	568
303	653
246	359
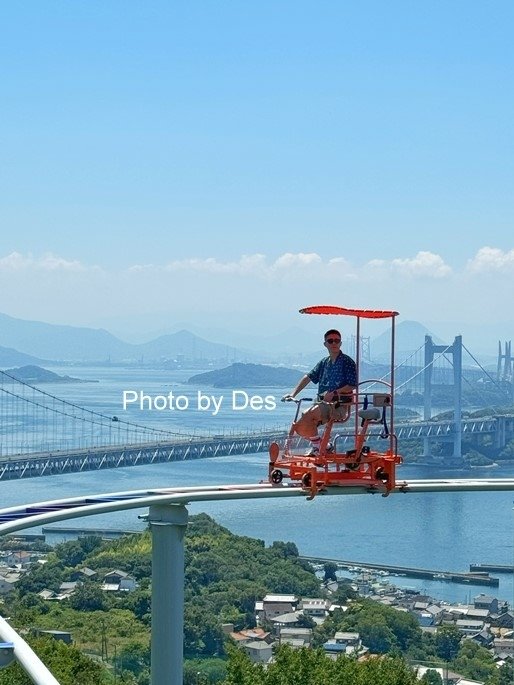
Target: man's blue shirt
333	375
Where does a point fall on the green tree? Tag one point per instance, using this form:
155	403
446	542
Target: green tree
241	671
474	661
329	569
88	597
285	549
66	663
447	642
134	657
505	674
431	677
40	577
314	667
381	628
377	636
70	553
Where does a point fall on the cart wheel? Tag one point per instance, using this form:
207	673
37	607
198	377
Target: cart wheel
276	476
307	480
380	474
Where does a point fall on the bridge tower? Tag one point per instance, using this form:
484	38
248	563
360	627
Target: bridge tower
455	350
504	374
365	351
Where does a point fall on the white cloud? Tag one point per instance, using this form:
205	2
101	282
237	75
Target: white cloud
491	259
425	264
211	265
289	265
47	262
301	260
254	284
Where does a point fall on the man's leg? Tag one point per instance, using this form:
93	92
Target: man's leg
307	425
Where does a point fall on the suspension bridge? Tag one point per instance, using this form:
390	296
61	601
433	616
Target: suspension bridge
42	434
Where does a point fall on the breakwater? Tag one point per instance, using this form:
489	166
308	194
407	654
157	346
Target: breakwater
493	568
83	532
451	576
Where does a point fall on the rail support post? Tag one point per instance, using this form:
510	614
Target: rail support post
168	526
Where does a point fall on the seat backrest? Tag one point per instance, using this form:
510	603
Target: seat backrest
371	414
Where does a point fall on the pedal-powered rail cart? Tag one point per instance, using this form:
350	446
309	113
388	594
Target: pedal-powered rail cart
347	459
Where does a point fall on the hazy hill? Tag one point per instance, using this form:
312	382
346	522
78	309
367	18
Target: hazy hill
10	357
187	344
409	336
72	343
56	342
248	376
36	374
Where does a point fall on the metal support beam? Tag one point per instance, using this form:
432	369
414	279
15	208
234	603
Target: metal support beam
29	661
168	526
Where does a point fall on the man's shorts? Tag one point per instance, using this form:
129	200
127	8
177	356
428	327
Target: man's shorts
330	411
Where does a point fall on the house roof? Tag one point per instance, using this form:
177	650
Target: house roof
291	617
116	572
258	645
46	594
294	641
481	613
110	587
12	577
249	634
291	599
87	571
434	609
341	635
484	598
333	646
68	586
308	602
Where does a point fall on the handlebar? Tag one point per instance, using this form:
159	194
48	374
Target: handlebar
290	398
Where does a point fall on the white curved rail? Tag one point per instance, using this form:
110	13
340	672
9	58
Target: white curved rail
26	516
30	662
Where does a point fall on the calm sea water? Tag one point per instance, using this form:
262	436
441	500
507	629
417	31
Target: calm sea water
445	531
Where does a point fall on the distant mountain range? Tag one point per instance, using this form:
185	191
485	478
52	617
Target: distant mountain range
34	342
71	343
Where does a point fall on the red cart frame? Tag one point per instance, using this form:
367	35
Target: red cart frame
371	404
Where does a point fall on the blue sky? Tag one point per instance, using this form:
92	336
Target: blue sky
167	162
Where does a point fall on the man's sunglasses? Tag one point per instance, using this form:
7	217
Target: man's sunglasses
331	341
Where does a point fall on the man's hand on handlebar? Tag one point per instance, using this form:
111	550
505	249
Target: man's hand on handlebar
291	398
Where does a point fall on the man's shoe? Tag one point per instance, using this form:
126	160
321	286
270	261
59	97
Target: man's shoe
312	452
330	448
